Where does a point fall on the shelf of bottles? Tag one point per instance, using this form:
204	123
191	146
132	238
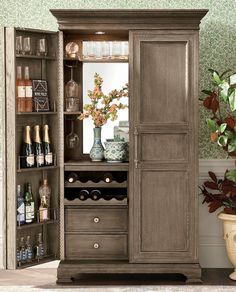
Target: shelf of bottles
30	251
95	188
37	155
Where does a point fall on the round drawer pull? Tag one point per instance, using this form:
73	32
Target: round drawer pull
96	245
96	219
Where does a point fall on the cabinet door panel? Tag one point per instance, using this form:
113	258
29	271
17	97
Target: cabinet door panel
162	81
163	142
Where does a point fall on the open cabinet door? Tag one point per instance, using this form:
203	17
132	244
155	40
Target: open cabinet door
164	162
41	67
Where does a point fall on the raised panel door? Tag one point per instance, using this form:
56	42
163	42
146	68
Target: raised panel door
163	160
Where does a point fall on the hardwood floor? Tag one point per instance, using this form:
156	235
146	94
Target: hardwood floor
46	278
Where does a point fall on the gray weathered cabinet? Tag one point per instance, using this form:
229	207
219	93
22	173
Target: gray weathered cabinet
155	229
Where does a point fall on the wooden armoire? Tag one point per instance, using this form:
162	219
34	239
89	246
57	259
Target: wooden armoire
155	230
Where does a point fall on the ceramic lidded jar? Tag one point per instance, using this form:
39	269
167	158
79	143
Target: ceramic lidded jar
115	151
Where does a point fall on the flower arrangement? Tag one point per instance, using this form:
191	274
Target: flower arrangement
103	107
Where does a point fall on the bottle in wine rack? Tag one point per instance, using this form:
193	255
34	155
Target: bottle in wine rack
47	147
120	197
38	147
72	177
27	153
107	177
83	195
20	207
95	195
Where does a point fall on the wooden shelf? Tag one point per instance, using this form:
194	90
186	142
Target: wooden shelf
95	166
100	202
98	60
19	170
34	262
36	113
72	113
35	57
36	224
91	184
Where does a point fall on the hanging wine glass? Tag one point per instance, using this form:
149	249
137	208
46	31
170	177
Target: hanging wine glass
72	139
72	94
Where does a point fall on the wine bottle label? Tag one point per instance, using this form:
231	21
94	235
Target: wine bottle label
40	159
43	214
29	254
21	91
21	213
28	91
29	212
48	158
18	256
30	160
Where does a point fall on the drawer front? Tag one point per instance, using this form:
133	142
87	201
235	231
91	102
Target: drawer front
96	219
95	246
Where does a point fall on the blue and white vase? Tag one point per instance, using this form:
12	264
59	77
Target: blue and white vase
97	151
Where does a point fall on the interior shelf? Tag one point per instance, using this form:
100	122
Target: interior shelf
34	262
110	60
36	57
91	184
72	113
100	202
100	166
36	224
19	170
36	113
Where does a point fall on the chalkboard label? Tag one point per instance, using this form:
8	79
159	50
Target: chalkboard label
40	96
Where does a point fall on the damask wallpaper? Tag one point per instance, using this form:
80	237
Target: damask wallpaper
217	36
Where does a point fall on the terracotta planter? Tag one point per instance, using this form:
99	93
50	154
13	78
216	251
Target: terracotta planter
229	222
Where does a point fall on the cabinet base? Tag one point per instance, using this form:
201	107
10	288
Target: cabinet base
70	270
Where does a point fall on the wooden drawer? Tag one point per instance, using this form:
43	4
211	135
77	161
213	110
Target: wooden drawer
96	219
88	246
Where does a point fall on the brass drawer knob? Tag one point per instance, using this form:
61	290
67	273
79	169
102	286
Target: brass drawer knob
96	219
96	245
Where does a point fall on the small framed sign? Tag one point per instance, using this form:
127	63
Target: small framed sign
40	96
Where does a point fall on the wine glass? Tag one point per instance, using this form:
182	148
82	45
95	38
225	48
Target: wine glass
72	139
71	88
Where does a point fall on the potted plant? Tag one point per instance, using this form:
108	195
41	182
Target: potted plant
101	109
221	103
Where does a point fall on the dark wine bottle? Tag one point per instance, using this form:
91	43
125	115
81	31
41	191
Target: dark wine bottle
38	147
83	195
72	177
47	147
120	197
27	153
107	177
95	195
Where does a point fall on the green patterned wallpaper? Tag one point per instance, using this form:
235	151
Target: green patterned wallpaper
217	35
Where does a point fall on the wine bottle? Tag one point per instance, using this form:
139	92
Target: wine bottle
29	204
45	191
20	207
95	195
47	147
38	147
28	91
20	90
83	195
107	177
29	250
72	177
27	153
23	254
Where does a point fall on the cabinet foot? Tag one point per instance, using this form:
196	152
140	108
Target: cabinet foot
193	281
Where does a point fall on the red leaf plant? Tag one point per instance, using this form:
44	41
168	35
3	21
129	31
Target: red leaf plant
219	193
